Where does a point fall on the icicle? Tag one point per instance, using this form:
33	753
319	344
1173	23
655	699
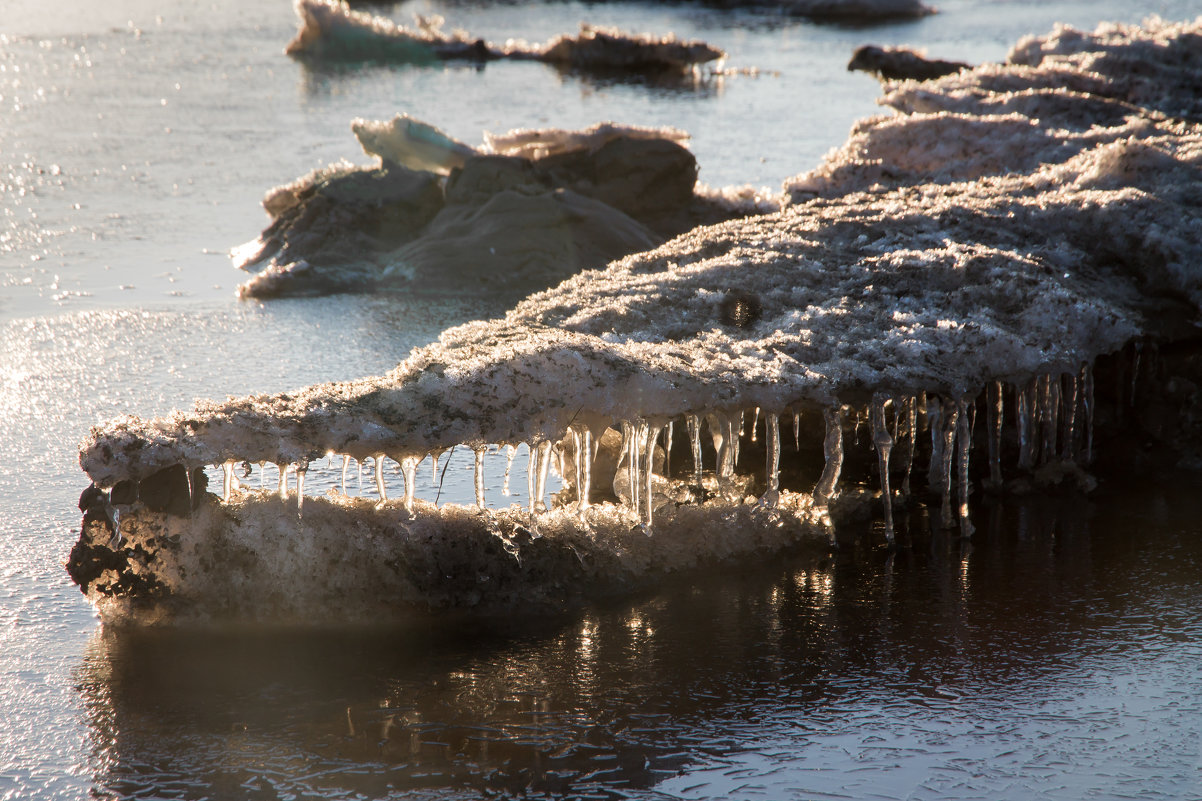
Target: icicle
1087	404
1072	399
557	450
346	463
300	487
544	463
884	445
379	457
730	455
282	469
434	457
832	448
734	437
586	471
578	460
995	412
694	425
188	479
228	489
1025	409
649	467
480	501
934	410
668	450
359	475
796	429
950	419
510	452
755	423
632	465
910	416
963	450
409	472
1049	407
531	472
1137	352
772	425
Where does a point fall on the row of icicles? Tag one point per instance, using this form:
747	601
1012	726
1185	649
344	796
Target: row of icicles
1053	417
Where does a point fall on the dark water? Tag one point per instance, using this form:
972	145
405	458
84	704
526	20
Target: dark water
1059	655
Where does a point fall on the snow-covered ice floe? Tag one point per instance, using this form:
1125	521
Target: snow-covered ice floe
522	212
332	31
959	278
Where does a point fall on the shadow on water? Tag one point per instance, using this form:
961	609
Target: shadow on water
976	660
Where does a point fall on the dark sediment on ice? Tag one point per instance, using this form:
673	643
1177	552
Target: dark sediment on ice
901	64
999	284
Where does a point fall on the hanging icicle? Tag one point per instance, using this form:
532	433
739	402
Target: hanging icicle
755	424
910	415
346	463
577	460
950	420
586	472
633	462
1072	400
510	452
796	428
1049	406
884	446
188	480
1026	409
668	450
300	487
652	432
531	473
1087	400
694	425
1137	351
283	488
832	448
544	464
479	476
379	457
772	424
409	473
963	451
934	416
996	417
228	489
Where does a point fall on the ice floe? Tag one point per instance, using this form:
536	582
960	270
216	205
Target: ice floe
522	212
331	31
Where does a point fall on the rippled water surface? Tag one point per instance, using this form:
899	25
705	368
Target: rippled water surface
1057	657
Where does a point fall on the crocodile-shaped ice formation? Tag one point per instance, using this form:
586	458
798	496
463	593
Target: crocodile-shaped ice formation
914	300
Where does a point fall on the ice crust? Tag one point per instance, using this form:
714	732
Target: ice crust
938	255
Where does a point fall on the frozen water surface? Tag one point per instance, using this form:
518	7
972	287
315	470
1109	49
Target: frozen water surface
1055	658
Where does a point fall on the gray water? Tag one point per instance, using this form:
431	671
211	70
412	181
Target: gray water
1058	657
